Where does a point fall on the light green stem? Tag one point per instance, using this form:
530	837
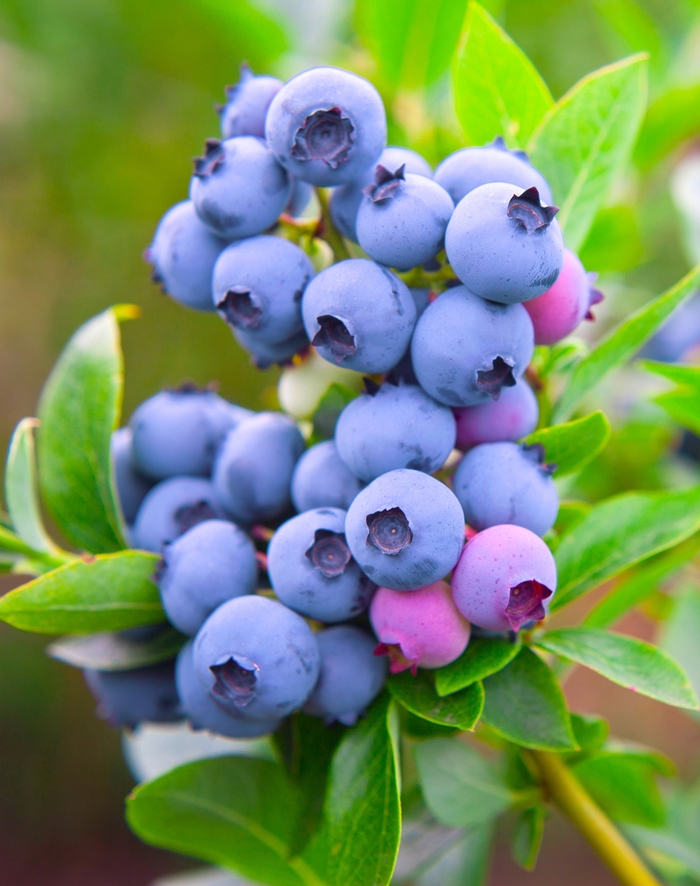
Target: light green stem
330	232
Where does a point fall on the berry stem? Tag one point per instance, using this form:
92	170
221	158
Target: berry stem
329	231
607	841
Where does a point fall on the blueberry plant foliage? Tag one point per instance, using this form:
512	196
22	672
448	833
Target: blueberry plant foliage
324	806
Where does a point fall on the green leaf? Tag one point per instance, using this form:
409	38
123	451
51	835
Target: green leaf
622	343
614	242
624	660
572	445
110	592
677	372
329	408
683	402
79	408
118	652
21	489
359	840
12	544
591	733
464	863
620	532
417	694
525	704
482	657
624	785
460	788
672	118
412	41
669	853
235	812
497	88
584	141
681	632
527	836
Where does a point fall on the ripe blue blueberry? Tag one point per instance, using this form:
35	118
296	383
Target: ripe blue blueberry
359	315
127	698
469	168
170	509
247	103
299	198
406	530
183	254
345	200
504	483
466	349
253	471
238	188
321	479
264	355
326	126
179	431
257	658
207	565
394	426
505	245
403	218
204	713
257	288
311	569
132	487
351	675
513	416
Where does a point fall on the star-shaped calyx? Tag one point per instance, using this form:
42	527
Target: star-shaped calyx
492	381
241	308
389	531
213	158
334	335
325	135
529	211
329	552
235	680
526	603
386	183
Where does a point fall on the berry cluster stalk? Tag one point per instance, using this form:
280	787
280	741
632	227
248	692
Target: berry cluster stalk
330	232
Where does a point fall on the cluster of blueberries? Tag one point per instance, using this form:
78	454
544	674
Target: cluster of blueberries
424	477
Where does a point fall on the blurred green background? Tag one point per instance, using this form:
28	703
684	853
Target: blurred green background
102	105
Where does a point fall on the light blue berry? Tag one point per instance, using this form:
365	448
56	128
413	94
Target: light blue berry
247	103
322	479
170	509
132	487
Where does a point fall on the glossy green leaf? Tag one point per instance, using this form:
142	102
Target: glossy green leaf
21	491
584	141
460	787
483	657
525	704
464	863
412	41
681	631
110	592
591	733
527	836
359	840
621	532
624	660
235	812
614	241
572	445
622	343
624	785
11	543
497	88
118	651
79	408
677	372
672	118
419	696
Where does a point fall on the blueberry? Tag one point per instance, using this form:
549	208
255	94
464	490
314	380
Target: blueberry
170	509
351	675
183	254
264	355
469	168
253	471
557	312
247	103
179	431
499	483
257	658
311	569
204	713
299	198
345	200
238	188
513	416
420	629
326	126
207	565
394	426
504	579
406	530
257	288
505	245
358	314
321	479
132	487
403	218
127	698
466	349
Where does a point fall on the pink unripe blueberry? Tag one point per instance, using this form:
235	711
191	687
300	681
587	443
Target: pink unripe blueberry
562	307
418	628
504	578
513	416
